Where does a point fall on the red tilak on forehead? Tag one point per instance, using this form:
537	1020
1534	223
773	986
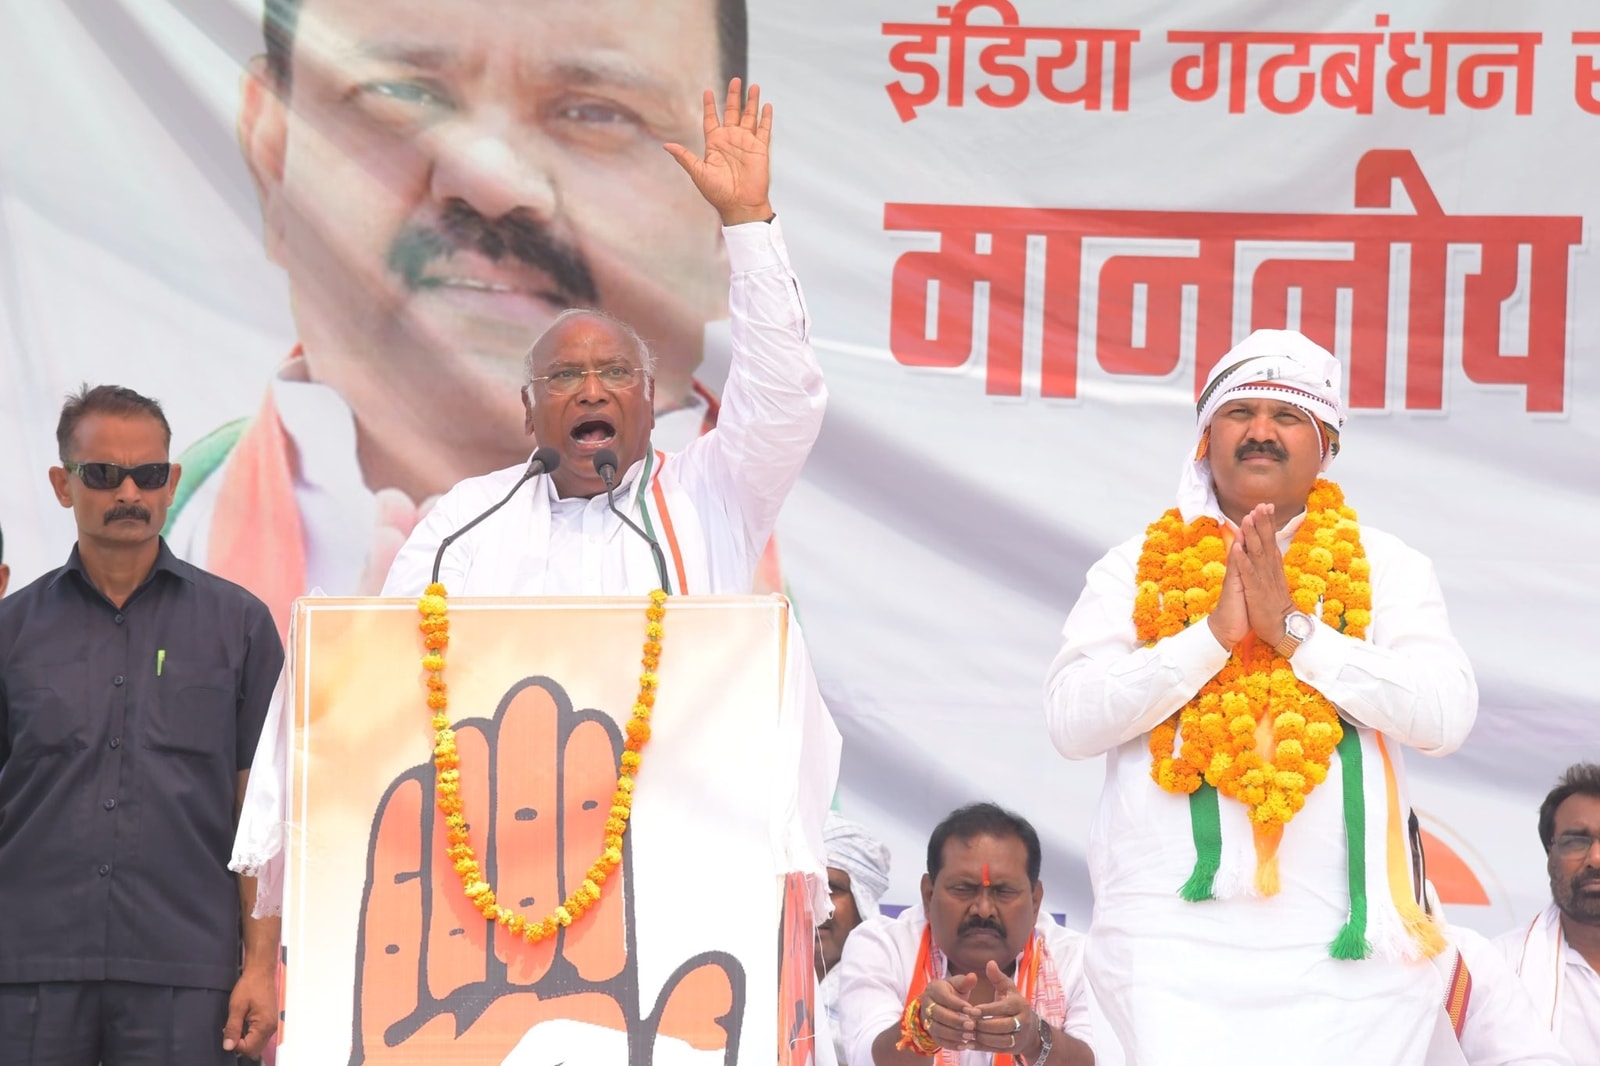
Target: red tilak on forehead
986	875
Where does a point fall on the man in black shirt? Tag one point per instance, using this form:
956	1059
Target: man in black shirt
133	687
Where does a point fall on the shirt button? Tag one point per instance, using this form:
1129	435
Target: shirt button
117	680
109	804
116	742
118	619
104	869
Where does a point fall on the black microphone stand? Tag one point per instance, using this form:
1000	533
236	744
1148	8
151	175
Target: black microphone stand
605	464
543	461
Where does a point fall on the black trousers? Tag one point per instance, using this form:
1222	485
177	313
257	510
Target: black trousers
111	1023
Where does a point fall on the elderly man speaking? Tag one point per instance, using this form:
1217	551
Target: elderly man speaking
1251	665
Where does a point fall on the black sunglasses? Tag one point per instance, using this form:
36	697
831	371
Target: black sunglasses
110	475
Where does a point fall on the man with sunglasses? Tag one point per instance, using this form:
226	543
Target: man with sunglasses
1557	955
133	687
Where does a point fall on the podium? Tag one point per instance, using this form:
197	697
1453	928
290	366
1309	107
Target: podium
700	948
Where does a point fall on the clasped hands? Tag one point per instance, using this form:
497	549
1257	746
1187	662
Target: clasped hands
1006	1026
1255	594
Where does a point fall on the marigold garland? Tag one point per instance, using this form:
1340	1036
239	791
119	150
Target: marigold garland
1254	732
435	626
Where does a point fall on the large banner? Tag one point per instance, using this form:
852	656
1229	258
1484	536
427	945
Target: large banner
1026	230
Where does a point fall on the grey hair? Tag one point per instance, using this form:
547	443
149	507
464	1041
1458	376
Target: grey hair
647	358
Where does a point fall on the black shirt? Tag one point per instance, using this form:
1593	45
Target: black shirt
122	733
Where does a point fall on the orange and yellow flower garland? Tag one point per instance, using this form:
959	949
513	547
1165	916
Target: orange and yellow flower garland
435	626
1254	732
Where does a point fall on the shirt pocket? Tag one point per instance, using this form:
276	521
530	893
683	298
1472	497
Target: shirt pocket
193	713
47	711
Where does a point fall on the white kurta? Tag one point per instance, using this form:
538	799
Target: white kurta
1501	1027
725	489
1184	982
875	975
1564	988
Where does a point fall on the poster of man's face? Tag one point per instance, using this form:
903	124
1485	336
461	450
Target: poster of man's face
439	181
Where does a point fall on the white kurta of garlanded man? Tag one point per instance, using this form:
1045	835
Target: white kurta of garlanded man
1564	988
1198	983
876	971
724	489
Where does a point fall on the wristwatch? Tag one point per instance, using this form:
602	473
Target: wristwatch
1044	1043
1297	629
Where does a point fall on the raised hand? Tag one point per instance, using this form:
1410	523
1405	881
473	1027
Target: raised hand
734	175
435	982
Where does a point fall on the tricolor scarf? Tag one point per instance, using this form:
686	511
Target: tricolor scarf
1036	976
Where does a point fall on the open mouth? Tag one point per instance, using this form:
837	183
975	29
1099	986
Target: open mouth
594	432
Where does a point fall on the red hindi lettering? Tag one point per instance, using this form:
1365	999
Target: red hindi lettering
1164	278
1323	257
901	58
1206	64
1094	43
957	268
1494	79
1587	74
1403	64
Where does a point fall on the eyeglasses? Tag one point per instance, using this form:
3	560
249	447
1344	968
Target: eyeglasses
110	475
569	379
1571	845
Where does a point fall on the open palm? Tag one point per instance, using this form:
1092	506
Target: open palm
734	175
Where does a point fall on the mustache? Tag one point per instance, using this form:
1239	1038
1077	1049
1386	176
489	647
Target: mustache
1269	448
1582	879
994	925
518	235
127	510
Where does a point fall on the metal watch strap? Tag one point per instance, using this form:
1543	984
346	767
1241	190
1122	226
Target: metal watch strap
1045	1043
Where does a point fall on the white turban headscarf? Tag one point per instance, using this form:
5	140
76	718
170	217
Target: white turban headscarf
855	851
1273	364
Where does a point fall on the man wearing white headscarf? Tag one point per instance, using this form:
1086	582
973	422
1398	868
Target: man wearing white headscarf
858	876
1251	666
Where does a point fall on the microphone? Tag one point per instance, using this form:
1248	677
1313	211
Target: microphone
542	461
605	464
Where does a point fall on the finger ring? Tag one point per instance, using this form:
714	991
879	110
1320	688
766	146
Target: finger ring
927	1015
1013	1041
1016	1025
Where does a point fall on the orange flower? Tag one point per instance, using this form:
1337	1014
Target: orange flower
435	629
1214	736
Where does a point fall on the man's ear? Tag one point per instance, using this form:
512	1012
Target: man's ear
5	577
1038	898
58	482
927	892
263	129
